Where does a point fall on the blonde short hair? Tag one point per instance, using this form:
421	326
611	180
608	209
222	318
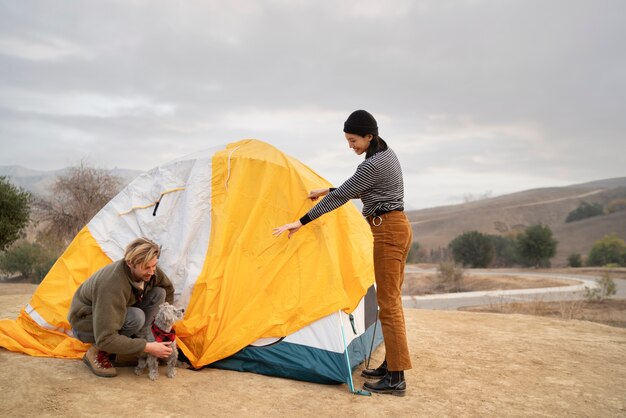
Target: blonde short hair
140	251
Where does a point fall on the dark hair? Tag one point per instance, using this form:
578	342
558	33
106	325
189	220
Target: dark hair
377	144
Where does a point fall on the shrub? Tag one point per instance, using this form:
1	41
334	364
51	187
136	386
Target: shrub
30	260
472	249
450	276
575	260
606	289
616	205
505	254
585	210
536	246
607	250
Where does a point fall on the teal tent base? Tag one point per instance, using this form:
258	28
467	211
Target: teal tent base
300	362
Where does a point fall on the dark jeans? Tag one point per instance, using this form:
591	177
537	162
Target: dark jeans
136	317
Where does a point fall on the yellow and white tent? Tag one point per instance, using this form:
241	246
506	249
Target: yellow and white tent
252	301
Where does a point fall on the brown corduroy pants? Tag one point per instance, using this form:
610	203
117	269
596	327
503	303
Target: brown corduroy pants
392	240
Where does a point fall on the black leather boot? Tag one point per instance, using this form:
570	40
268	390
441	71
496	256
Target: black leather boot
378	373
393	384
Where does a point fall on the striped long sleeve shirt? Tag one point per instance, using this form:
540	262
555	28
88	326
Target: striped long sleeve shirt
377	182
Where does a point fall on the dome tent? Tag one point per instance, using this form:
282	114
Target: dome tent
252	301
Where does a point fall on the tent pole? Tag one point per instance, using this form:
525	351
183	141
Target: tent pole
369	357
345	350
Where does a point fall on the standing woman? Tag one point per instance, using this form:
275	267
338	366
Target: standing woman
378	183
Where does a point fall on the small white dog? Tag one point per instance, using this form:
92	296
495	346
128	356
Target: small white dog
161	331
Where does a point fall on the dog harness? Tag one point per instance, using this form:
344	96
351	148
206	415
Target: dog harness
161	336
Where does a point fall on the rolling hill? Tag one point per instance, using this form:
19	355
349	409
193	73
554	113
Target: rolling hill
436	227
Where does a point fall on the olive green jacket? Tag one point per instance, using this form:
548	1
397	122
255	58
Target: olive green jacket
100	303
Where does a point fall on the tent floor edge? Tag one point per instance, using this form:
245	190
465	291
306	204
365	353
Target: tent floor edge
300	362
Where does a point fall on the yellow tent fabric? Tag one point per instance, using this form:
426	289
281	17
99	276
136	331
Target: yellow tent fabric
252	284
255	285
50	304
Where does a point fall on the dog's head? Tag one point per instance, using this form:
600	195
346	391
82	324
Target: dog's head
167	315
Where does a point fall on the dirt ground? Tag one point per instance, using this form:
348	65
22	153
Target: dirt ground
465	364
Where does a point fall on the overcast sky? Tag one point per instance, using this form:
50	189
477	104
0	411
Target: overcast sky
475	96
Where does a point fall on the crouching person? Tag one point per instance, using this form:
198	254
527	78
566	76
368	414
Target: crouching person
116	303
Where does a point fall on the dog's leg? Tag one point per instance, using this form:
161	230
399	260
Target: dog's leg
171	362
153	367
141	364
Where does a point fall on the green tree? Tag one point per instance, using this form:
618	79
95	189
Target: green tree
536	246
607	250
584	210
472	249
14	212
30	260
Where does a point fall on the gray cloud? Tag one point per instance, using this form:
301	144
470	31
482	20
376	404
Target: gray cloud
474	95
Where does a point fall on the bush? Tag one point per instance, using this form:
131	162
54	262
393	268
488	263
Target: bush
472	249
575	260
607	250
585	210
536	246
606	289
505	254
450	277
30	260
616	205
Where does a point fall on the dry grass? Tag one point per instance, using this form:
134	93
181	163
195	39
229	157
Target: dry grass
615	272
610	312
417	284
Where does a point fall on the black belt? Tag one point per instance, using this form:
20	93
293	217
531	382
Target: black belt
382	212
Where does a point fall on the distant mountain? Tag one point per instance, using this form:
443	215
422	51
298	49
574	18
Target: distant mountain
436	227
39	182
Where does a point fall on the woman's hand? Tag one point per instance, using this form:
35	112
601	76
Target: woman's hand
316	193
292	228
159	350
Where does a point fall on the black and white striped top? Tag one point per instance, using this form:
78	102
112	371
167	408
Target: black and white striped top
377	182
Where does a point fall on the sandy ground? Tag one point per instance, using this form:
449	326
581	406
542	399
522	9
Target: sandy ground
465	364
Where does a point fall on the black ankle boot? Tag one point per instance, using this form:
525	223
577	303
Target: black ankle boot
393	383
378	373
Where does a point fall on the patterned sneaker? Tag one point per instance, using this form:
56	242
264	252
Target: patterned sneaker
99	363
